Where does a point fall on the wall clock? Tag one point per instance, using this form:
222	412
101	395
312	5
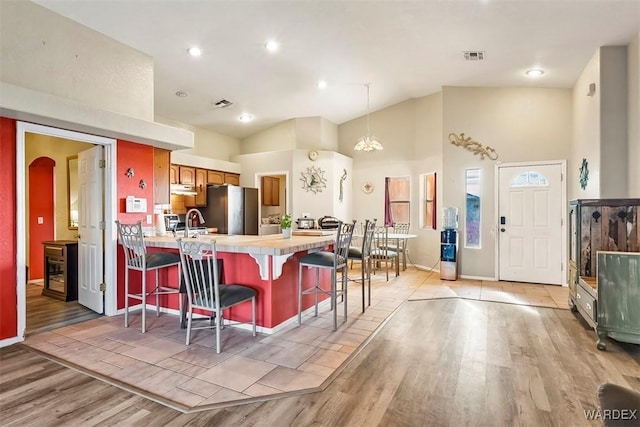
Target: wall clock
313	180
584	174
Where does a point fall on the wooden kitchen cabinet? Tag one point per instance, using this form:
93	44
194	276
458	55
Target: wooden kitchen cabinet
215	177
200	199
187	175
174	174
270	191
231	178
161	176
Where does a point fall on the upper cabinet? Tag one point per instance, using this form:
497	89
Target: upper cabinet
187	175
174	174
215	177
231	178
161	176
270	191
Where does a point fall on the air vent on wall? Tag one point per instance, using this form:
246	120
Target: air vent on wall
223	103
474	55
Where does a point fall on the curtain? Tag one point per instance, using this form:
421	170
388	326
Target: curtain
388	214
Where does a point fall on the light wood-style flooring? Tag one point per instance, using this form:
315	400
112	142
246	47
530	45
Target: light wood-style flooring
45	313
443	362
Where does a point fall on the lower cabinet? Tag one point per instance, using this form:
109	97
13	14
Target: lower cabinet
618	313
61	270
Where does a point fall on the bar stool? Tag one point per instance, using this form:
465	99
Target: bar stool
362	253
137	259
335	260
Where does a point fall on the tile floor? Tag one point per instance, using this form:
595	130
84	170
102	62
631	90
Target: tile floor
158	364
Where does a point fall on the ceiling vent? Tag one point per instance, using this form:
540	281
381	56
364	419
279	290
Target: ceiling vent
474	55
223	103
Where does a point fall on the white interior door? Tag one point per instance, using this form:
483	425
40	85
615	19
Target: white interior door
530	224
90	228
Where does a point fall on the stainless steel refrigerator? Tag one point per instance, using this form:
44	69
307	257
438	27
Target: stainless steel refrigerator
232	209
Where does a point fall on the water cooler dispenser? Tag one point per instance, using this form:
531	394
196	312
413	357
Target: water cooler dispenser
449	244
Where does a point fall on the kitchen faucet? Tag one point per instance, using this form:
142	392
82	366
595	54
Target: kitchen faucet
186	220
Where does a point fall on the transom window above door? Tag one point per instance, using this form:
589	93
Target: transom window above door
529	179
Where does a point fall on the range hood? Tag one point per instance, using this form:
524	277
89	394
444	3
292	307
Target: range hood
184	189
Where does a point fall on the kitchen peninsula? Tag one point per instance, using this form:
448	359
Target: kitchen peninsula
269	264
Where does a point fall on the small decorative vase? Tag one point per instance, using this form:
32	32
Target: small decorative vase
286	233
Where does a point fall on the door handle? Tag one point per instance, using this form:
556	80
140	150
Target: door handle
503	229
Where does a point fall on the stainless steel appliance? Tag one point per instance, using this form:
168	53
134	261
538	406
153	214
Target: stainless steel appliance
306	223
232	209
328	222
171	221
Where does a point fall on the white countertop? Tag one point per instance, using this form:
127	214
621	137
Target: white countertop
273	244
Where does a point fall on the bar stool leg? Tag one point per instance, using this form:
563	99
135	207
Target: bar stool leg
126	297
300	295
315	293
157	293
344	290
144	301
334	299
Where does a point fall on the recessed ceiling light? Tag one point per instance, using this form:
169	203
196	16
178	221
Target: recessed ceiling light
272	45
182	94
536	72
322	84
194	51
245	117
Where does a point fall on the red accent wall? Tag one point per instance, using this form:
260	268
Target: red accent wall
140	158
8	246
41	204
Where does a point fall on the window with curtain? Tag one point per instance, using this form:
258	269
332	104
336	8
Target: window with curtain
397	204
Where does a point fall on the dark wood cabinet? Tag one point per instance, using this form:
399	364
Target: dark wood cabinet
161	176
61	270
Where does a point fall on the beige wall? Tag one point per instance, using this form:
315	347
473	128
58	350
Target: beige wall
58	149
207	143
43	51
586	132
633	78
521	124
613	122
277	138
411	133
601	131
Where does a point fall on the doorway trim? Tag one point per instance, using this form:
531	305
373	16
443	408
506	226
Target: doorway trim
563	215
109	213
258	184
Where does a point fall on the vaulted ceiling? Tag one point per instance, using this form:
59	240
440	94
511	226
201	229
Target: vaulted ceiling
404	49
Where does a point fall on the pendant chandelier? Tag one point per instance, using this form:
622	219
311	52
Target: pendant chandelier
368	142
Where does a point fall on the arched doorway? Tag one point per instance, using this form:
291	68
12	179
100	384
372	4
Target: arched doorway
41	208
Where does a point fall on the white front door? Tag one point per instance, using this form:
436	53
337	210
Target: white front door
90	228
530	223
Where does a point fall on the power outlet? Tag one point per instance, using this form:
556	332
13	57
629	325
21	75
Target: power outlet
149	219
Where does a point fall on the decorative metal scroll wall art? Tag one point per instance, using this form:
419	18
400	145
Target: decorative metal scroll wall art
343	178
313	180
473	146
